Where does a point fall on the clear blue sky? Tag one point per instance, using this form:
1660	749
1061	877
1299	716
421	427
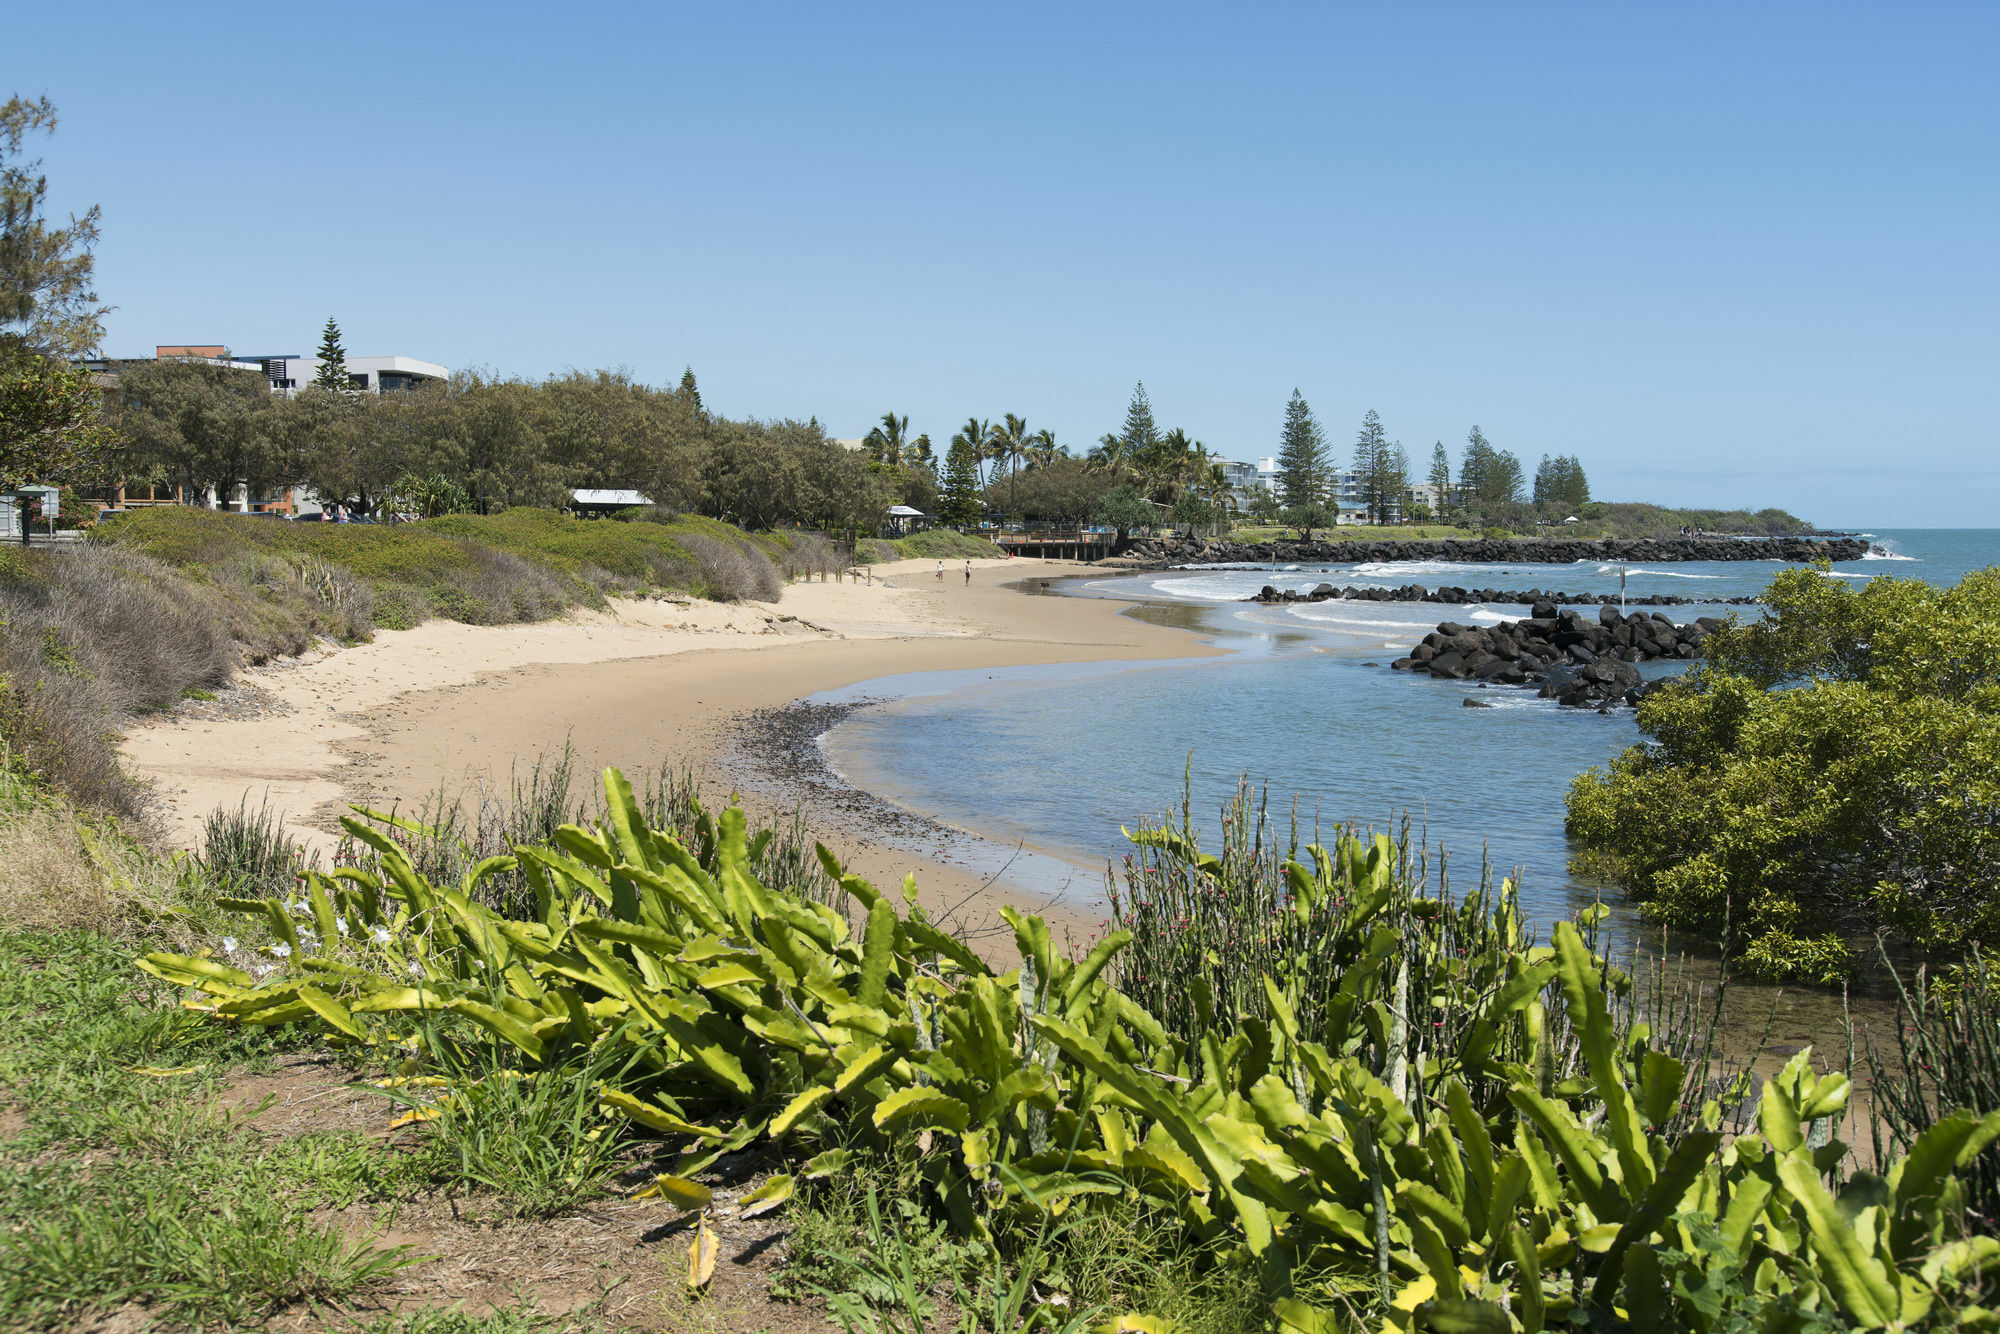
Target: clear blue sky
1724	254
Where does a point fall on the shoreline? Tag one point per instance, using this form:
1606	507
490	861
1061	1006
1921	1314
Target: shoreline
454	708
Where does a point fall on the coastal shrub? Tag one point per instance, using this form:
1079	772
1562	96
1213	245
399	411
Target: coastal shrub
89	637
1346	1158
809	555
1826	771
734	571
936	544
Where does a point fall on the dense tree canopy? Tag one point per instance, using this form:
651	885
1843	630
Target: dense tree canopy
1830	769
498	442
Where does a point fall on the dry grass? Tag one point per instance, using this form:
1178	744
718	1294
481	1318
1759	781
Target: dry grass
61	870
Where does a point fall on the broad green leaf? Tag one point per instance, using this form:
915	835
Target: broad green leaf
678	1191
921	1107
652	1117
803	1105
1866	1293
765	1198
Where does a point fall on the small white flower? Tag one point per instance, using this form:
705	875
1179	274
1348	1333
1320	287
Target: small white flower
416	969
299	905
341	924
381	935
264	969
282	951
306	934
229	944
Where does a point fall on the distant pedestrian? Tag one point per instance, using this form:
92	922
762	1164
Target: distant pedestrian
940	571
968	572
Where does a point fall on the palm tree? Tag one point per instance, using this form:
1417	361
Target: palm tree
1011	442
1112	455
1043	450
886	442
975	433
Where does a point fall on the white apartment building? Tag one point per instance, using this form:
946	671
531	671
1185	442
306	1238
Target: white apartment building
289	374
1345	491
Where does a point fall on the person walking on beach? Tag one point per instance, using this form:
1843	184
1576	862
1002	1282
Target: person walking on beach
940	571
968	573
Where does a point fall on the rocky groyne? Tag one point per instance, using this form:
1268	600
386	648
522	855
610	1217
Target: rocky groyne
1164	553
1575	660
1461	597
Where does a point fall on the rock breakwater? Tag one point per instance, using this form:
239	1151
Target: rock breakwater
1163	553
1576	661
1455	596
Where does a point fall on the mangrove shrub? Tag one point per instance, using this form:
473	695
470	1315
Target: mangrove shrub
1830	769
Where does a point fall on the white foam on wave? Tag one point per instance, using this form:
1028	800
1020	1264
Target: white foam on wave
1313	612
1396	569
1664	574
1874	554
1493	617
1193	589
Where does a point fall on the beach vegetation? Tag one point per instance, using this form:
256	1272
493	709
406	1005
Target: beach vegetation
930	544
1124	509
1309	517
1813	779
1062	492
1427	1116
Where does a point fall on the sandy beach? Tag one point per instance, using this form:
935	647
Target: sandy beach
644	684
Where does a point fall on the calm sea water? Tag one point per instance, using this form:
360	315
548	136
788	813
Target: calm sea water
1303	704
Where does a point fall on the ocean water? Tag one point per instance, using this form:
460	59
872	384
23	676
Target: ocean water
1303	705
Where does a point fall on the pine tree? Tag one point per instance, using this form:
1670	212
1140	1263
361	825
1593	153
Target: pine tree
1440	478
1473	466
1302	461
1502	482
1547	480
1371	453
688	390
959	504
332	359
1576	486
1141	434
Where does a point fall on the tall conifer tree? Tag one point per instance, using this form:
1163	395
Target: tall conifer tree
332	359
1440	477
959	504
1371	459
1302	460
1141	433
688	390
